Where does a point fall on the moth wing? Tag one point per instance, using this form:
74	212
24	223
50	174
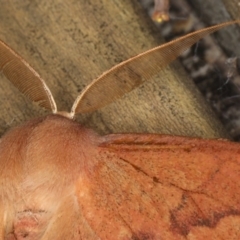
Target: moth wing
129	74
25	78
162	187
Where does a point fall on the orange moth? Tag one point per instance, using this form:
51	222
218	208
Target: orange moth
60	180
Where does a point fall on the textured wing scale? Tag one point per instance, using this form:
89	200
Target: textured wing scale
25	78
163	187
129	74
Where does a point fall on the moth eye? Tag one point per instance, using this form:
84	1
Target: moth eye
28	224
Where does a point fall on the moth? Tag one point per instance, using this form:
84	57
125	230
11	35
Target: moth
60	180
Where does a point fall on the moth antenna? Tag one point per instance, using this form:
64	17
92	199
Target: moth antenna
25	78
128	75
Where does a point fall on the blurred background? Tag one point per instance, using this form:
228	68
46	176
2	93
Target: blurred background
213	63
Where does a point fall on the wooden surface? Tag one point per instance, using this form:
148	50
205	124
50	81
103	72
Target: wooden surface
233	8
72	42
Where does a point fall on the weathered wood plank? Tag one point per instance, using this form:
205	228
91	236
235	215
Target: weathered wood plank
72	42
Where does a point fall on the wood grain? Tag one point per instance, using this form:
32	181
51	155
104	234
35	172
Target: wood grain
72	42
